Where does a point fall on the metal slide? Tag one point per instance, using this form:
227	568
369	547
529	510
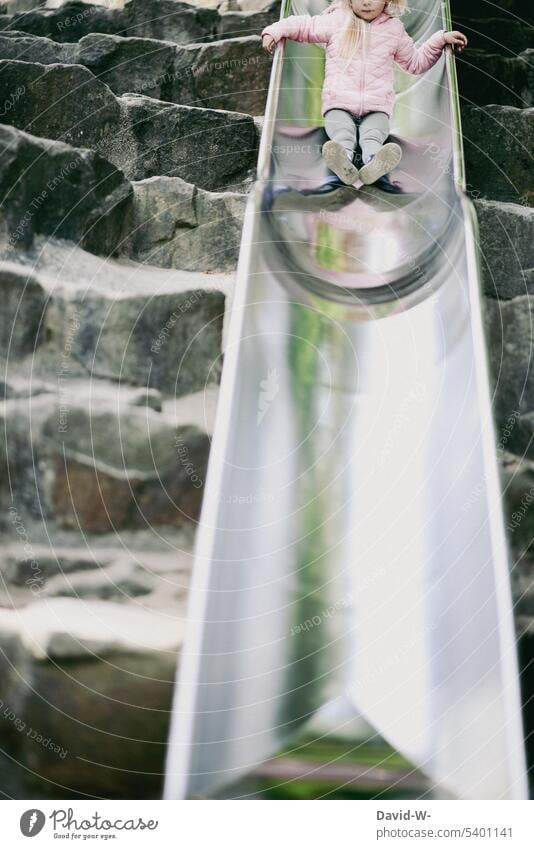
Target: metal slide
351	541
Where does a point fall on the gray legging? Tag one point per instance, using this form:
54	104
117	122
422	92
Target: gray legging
343	127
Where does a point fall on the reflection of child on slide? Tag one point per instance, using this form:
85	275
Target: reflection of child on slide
363	38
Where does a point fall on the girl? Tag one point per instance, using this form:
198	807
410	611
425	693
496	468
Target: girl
363	38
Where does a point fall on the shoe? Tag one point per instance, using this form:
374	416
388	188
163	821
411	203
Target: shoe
387	158
333	193
390	186
329	185
313	200
337	160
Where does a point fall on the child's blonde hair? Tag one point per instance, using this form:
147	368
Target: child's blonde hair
354	32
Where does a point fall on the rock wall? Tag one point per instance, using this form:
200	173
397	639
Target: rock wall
129	137
496	78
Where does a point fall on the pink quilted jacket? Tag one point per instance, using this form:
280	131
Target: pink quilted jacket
366	85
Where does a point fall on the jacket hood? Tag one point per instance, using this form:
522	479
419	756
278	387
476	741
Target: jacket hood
382	18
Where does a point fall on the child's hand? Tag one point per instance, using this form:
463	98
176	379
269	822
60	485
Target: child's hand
457	39
268	43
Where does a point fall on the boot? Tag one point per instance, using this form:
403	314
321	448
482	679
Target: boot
337	160
387	158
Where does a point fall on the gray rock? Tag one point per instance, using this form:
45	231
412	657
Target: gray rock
244	6
62	102
94	688
141	136
12	6
101	499
161	329
230	74
148	398
234	24
16	387
492	78
33	48
523	587
169	342
37	568
51	188
518	491
524	444
100	469
209	147
24	301
172	224
509	331
120	582
169	20
498	143
142	65
507	248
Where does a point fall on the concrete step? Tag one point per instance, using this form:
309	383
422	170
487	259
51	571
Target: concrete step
142	136
229	74
170	20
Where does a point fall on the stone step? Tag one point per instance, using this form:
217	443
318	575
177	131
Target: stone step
504	35
230	74
486	78
161	220
506	248
75	315
170	20
86	697
53	188
498	143
160	551
11	6
142	136
173	224
107	4
79	455
30	572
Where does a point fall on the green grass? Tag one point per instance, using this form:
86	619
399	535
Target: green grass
339	751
